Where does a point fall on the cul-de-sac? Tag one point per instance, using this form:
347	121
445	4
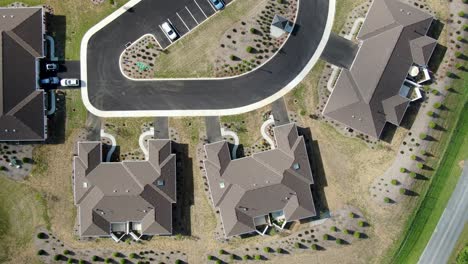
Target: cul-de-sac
234	131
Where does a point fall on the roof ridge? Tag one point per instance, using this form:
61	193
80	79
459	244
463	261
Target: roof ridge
23	43
381	30
21	104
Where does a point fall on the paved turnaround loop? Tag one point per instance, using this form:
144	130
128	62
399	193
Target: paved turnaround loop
107	93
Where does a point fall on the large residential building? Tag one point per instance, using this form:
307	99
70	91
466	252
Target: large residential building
22	105
378	88
266	189
125	198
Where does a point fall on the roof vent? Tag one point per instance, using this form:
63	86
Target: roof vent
12	16
160	182
221	185
127	191
6	130
14	130
115	191
296	166
409	13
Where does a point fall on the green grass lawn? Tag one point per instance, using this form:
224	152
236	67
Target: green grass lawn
451	148
461	248
21	211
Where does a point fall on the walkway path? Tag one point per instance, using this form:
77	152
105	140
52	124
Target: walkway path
229	133
450	225
141	141
113	146
270	121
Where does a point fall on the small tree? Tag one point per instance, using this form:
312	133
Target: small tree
57	257
459	66
413	175
81	261
123	261
430	113
357	235
420	165
423	136
437	105
339	241
108	260
258	257
246	257
222	252
41	235
461	39
413	157
387	200
218	261
333	229
41	252
279	250
297	245
461	14
250	49
346	231
351	215
95	258
210	257
432	124
361	223
314	247
326	237
402	191
458	54
66	252
116	254
434	92
403	170
465	27
133	255
394	182
266	249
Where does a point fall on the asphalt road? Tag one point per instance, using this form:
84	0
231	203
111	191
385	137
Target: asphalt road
109	90
450	225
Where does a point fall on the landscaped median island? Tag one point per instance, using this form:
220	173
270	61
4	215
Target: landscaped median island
239	39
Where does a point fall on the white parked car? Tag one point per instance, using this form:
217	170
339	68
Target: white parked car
51	67
70	82
169	30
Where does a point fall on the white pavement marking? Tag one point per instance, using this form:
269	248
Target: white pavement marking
214	9
200	8
192	15
183	21
113	142
141	141
203	112
229	133
164	32
263	130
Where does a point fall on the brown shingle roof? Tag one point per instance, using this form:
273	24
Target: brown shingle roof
366	96
21	103
128	191
262	183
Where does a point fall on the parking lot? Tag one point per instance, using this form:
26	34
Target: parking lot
186	19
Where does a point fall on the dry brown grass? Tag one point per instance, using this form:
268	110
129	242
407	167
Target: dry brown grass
126	131
193	55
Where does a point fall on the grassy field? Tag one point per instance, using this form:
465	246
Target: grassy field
451	148
127	131
21	210
192	56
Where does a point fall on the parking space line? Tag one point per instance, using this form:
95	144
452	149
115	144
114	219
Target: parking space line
209	3
183	21
192	15
164	32
200	8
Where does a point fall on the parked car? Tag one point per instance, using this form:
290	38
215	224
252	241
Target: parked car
70	82
50	80
51	67
218	4
15	163
169	30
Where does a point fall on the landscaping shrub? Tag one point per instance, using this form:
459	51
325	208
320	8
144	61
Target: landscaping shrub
123	261
458	54
402	191
326	237
108	260
357	235
434	92
279	250
258	257
346	231
387	200
41	235
413	157
432	124
394	182
222	252
361	223
461	14
57	257
339	241
437	105
266	249
210	257
423	136
465	27
133	255
459	66
412	174
2	168
351	215
116	254
81	261
70	260
297	245
430	113
250	49
420	165
66	252
218	261
333	228
314	247
403	170
246	257
232	257
423	152
41	252
233	57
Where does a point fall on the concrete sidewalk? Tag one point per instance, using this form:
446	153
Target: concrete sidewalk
450	225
